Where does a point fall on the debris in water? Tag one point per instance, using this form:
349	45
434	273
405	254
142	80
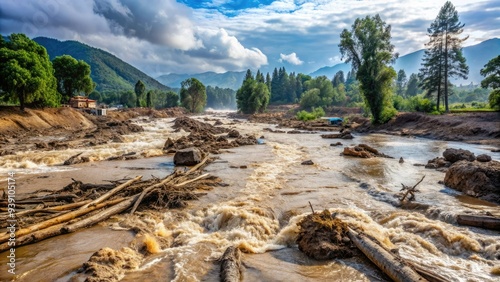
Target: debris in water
410	190
323	237
110	265
230	268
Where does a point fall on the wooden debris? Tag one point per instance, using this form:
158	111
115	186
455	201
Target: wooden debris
394	267
112	192
81	205
230	268
487	222
410	191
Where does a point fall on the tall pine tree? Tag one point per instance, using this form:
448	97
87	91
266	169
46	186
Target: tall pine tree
443	58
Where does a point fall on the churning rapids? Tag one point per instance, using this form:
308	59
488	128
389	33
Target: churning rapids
259	209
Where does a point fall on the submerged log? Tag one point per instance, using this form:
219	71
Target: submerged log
230	268
390	265
487	222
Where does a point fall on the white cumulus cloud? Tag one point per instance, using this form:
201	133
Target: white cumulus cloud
291	58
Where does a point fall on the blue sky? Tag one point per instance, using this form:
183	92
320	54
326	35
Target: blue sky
184	36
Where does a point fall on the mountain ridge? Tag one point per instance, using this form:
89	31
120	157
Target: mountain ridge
109	72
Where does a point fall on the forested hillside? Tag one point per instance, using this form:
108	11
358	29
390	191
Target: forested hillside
230	79
107	71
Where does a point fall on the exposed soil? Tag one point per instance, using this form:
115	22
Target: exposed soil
62	128
478	128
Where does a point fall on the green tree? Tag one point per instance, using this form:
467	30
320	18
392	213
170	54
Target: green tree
253	96
326	90
412	86
95	95
310	99
139	89
401	82
368	47
128	98
444	58
149	99
268	82
193	95
27	73
338	79
172	99
73	77
260	97
491	72
221	98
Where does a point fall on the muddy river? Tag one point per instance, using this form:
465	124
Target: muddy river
259	209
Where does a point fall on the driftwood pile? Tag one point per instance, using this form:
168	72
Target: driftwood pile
81	205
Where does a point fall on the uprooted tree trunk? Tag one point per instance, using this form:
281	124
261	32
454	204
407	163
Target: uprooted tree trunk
395	268
230	268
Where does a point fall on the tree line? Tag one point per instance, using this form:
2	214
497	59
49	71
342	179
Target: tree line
372	81
31	79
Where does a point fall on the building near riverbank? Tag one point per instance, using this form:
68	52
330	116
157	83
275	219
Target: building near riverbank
81	102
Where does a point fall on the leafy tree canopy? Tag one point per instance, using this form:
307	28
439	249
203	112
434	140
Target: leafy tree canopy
368	47
253	95
73	77
27	73
492	73
193	95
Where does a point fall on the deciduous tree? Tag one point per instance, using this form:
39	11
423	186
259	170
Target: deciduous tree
193	95
73	77
368	47
492	73
27	73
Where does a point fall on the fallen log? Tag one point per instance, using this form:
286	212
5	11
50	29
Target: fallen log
230	268
34	237
390	265
60	219
112	192
53	209
91	220
486	222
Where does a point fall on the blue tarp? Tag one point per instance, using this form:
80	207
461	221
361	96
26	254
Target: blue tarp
335	120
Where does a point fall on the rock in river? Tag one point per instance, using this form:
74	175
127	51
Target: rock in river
477	179
188	157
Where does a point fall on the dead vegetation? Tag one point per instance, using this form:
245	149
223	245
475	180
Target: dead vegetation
44	214
324	237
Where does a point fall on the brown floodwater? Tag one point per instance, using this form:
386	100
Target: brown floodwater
259	209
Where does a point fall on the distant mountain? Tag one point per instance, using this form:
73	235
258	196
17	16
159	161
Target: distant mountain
477	56
331	71
228	79
107	71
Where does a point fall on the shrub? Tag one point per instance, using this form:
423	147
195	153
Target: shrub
316	113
